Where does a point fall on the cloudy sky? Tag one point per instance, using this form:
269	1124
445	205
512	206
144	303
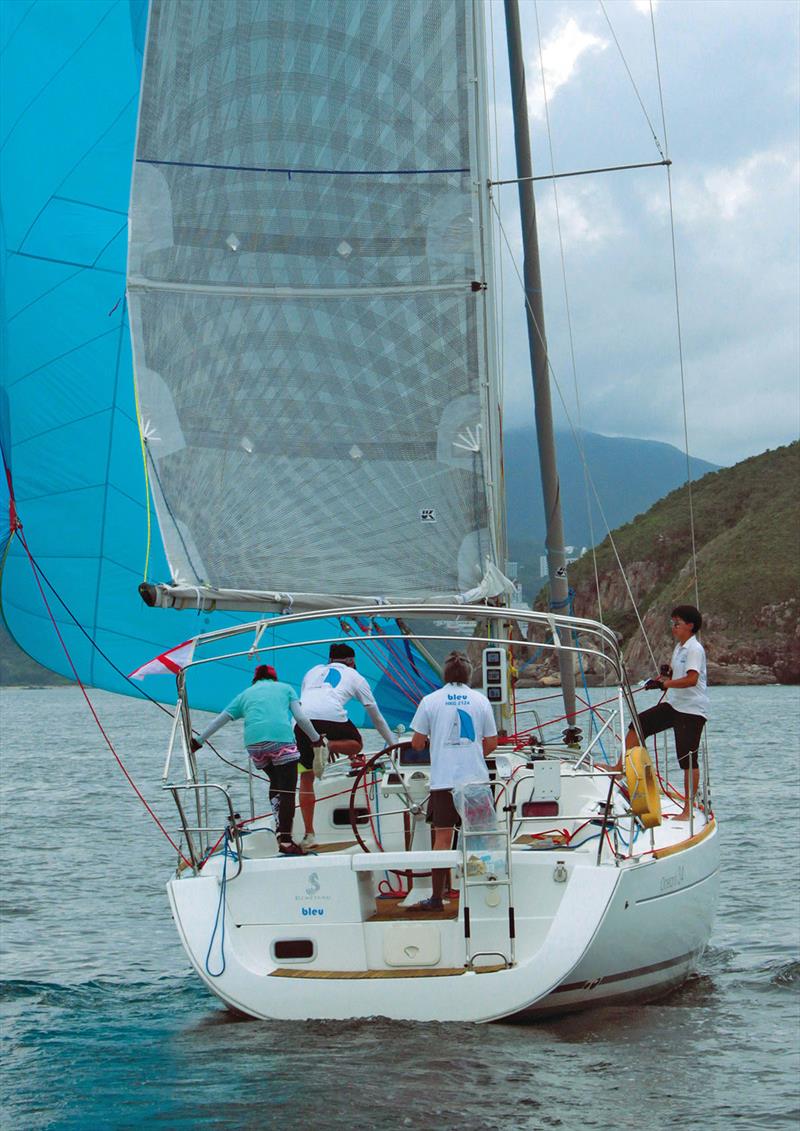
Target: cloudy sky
729	72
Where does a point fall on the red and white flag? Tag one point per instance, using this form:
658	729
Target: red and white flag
168	663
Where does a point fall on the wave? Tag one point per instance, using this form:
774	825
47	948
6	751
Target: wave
94	992
786	973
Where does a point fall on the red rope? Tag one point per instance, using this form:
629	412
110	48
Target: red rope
401	666
89	703
371	653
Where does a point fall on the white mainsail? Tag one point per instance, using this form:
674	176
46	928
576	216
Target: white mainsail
310	295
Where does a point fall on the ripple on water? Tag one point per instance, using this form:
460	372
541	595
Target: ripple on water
786	974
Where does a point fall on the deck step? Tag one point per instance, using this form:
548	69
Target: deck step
391	911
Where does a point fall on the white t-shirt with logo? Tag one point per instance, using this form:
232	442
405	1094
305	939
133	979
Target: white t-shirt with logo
689	657
456	720
327	688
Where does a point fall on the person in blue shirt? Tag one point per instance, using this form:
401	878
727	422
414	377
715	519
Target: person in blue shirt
268	707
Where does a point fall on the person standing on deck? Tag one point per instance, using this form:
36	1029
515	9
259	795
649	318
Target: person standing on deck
458	723
684	709
325	691
266	707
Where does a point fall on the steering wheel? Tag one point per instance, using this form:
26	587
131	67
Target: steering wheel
412	806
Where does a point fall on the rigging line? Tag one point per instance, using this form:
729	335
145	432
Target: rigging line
387	672
393	647
171	515
135	684
677	317
299	171
57	72
411	689
408	685
633	82
582	454
568	308
583	172
109	743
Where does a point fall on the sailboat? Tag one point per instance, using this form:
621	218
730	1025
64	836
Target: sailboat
310	286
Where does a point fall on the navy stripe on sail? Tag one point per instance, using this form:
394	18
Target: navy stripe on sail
289	172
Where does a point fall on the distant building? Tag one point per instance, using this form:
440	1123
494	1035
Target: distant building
572	556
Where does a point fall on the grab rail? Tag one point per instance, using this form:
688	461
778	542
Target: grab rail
233	825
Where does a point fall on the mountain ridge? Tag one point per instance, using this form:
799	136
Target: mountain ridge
629	475
747	541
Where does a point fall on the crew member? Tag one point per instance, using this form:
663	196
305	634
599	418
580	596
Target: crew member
684	709
458	723
324	694
266	707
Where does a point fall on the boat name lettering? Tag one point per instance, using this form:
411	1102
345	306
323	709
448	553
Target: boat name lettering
313	910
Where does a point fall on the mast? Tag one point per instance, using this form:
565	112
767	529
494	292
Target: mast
537	342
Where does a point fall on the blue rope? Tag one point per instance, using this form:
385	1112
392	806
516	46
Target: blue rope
219	916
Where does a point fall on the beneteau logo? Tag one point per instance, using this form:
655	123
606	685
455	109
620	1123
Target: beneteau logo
311	896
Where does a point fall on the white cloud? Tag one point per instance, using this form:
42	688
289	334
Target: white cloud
587	213
726	193
561	53
644	6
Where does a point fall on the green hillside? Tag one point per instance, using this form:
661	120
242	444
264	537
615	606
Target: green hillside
17	669
748	548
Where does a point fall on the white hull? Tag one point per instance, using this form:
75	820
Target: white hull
605	934
583	894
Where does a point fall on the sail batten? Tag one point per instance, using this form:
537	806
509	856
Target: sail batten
137	283
309	300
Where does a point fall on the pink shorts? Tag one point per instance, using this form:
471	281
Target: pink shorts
265	754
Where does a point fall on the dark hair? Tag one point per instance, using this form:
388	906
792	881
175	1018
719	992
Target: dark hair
341	652
264	671
457	668
690	615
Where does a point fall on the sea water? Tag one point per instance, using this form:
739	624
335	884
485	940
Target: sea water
105	1025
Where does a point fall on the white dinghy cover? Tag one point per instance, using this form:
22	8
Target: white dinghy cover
310	294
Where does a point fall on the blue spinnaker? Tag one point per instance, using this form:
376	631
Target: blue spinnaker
70	437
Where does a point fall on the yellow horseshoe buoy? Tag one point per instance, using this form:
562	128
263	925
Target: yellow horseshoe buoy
643	787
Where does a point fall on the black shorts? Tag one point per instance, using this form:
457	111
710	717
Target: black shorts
330	729
442	813
688	730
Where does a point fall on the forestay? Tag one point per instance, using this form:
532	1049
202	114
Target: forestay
310	289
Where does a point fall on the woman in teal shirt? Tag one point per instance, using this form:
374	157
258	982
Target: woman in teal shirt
268	707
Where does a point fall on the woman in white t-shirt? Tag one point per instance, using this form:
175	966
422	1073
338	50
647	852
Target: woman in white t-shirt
684	708
457	722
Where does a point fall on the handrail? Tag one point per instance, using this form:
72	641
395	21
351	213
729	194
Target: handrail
426	611
232	826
